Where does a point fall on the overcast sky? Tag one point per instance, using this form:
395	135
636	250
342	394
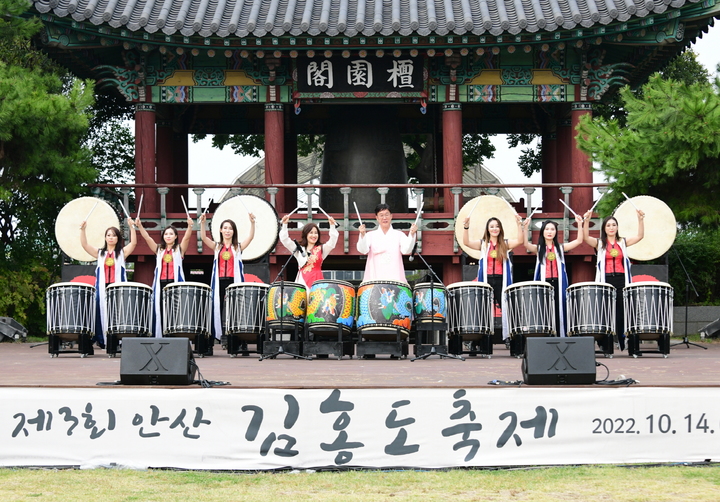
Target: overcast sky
212	166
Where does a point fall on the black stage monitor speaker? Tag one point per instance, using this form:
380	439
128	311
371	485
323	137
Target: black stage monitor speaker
157	361
712	330
559	361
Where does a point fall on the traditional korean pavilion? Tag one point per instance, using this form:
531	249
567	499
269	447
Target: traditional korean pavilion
363	72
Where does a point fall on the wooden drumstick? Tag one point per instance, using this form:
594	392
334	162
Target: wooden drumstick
596	203
140	205
473	208
419	212
185	205
243	204
323	212
91	211
358	213
630	201
563	203
533	213
125	210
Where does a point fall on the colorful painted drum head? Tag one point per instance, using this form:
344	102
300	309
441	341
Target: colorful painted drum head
429	303
384	304
331	303
288	307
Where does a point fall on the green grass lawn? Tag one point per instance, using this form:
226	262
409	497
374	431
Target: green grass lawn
595	483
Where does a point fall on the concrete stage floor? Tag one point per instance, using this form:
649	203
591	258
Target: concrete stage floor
25	366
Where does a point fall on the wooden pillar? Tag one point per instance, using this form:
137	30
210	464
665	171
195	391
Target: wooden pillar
275	150
438	158
581	198
165	155
145	173
291	159
563	154
580	162
145	154
452	150
180	173
452	271
274	160
549	172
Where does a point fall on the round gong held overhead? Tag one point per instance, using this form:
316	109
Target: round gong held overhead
266	223
67	226
660	226
481	209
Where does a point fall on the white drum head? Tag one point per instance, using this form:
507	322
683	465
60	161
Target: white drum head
67	226
488	206
187	284
70	285
649	284
529	284
129	284
267	226
240	285
660	227
469	284
597	285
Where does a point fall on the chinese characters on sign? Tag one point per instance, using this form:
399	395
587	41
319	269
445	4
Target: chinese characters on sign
360	75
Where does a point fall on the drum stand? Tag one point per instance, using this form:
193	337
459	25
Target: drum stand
84	345
339	347
432	327
112	344
688	283
271	332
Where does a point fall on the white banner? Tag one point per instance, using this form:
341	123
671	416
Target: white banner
429	428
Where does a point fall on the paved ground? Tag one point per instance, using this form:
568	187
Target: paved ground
27	366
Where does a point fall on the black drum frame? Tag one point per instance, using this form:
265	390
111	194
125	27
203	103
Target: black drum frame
59	339
663	343
397	348
84	345
235	345
425	330
320	340
272	346
483	346
236	342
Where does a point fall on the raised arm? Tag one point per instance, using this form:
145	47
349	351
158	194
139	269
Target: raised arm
185	243
203	233
332	238
407	242
513	243
130	247
92	251
592	241
244	244
529	246
472	244
641	230
362	243
568	246
145	235
284	235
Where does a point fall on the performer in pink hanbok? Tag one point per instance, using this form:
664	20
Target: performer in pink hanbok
385	247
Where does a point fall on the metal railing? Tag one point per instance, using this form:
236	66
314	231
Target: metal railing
426	221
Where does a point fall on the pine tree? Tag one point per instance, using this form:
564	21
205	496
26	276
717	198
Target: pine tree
669	148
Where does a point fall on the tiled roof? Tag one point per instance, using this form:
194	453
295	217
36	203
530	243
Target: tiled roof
243	18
